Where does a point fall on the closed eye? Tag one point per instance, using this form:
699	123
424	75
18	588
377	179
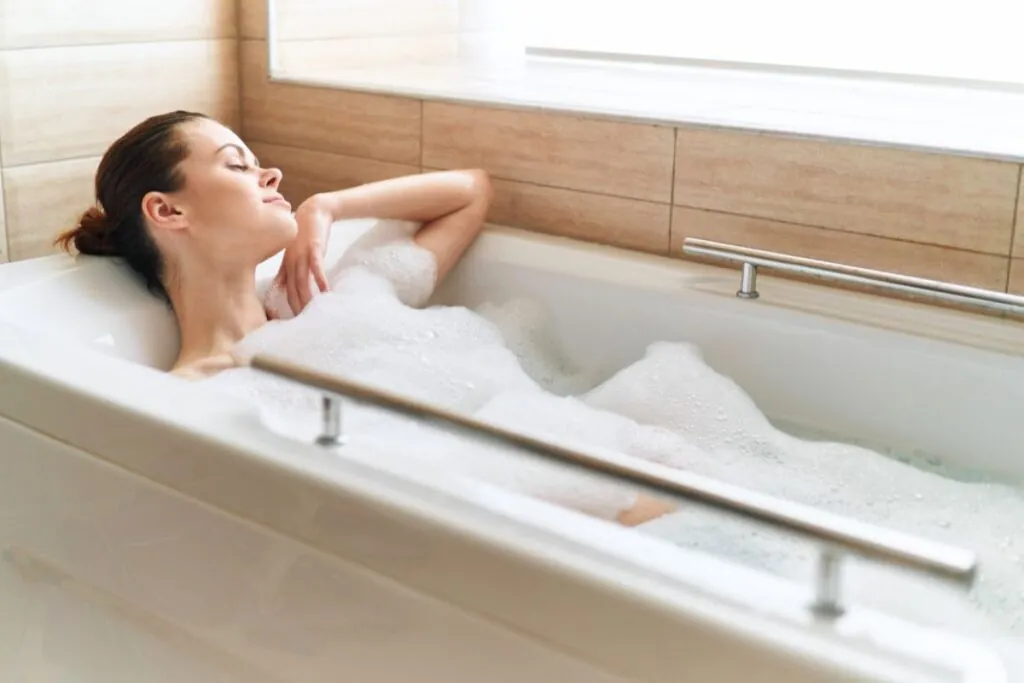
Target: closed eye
241	155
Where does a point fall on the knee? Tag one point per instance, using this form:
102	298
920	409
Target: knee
645	510
481	187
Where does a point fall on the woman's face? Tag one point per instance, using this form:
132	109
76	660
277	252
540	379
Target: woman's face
229	208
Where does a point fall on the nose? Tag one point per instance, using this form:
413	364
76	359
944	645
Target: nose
271	178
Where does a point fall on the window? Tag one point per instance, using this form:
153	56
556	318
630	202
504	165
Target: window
949	39
926	74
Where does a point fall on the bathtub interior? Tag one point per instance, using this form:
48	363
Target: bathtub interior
881	380
921	398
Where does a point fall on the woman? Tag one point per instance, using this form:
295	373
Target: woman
185	203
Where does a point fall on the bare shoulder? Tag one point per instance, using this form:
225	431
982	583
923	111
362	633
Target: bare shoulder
204	368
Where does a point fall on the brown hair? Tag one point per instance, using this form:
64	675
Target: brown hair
145	159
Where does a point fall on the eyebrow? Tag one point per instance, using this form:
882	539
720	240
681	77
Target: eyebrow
241	152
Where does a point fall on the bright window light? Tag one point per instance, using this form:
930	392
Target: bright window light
949	39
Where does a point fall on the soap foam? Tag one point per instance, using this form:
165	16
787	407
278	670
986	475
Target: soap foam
672	388
368	328
526	328
386	250
501	364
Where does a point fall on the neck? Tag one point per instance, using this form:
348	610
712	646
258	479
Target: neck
214	310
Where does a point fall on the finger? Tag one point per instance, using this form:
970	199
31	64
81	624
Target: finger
317	268
293	294
293	297
302	281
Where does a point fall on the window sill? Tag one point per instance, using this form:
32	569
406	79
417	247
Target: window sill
947	118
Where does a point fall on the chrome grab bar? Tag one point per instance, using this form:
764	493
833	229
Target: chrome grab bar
752	259
839	535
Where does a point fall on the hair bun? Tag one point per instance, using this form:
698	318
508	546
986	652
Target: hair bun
92	236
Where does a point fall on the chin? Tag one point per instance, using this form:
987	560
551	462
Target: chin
285	228
290	233
278	237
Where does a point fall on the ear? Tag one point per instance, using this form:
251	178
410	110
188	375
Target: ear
162	213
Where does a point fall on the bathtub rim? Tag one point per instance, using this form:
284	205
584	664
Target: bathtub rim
65	374
675	274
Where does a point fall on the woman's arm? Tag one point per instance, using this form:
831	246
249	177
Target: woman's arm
452	206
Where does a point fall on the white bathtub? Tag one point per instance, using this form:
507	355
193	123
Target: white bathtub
153	531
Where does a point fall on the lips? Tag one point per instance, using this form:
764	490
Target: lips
277	199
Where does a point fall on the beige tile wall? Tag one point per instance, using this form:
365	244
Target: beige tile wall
322	58
57	23
913	258
315	19
1016	281
325	119
1017	276
316	36
555	150
316	171
965	203
1018	233
71	81
325	138
109	88
931	215
582	177
622	222
44	199
3	224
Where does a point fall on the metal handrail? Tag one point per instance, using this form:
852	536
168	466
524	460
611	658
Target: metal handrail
752	259
839	535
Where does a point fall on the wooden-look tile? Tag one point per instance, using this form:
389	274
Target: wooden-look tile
326	119
322	58
1018	232
50	23
69	102
43	200
628	223
252	18
3	224
557	150
922	260
310	19
938	199
1016	276
307	172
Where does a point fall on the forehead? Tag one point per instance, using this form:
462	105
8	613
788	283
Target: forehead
206	137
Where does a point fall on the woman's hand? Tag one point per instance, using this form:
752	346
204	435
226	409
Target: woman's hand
303	265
